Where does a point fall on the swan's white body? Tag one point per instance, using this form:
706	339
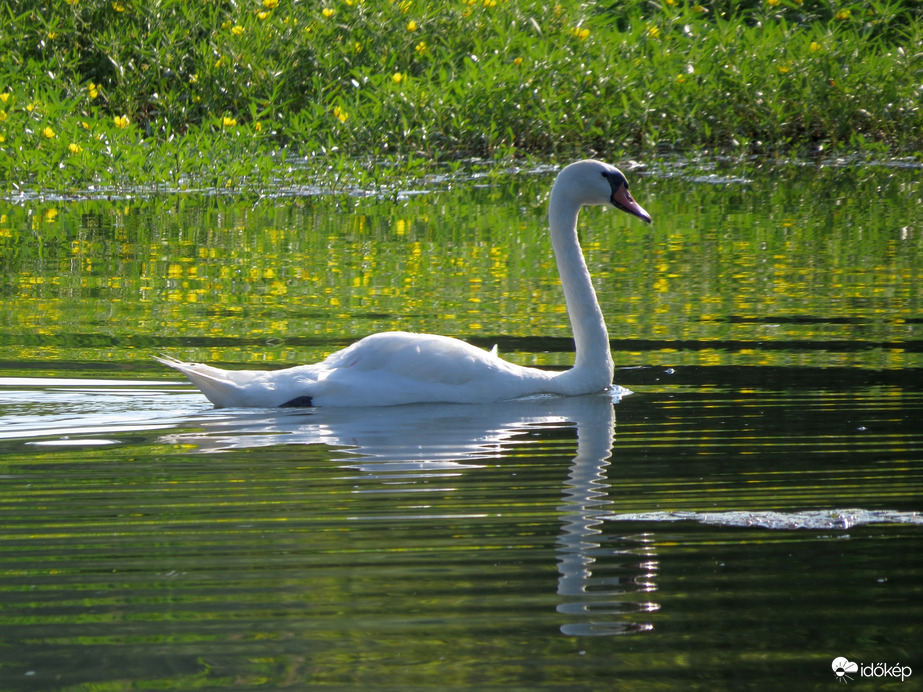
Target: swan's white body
393	368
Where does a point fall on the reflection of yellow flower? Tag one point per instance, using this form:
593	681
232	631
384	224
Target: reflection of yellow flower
49	133
121	121
237	30
340	114
327	12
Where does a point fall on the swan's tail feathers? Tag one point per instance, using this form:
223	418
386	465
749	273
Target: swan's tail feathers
216	384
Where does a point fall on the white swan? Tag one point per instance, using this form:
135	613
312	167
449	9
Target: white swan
394	368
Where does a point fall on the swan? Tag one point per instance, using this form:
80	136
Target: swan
394	368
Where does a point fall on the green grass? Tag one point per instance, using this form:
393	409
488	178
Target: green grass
227	92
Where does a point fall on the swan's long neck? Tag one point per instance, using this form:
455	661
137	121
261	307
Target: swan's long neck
593	367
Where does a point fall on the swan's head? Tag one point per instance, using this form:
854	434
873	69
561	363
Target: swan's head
597	183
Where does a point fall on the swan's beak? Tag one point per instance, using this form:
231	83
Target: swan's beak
622	200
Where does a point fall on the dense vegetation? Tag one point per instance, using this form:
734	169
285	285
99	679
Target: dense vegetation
218	92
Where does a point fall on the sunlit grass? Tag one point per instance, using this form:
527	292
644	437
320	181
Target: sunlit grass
222	93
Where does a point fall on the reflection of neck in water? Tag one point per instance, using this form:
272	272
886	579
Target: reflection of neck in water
454	437
593	599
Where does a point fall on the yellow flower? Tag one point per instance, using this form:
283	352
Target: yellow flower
226	24
74	148
653	32
118	7
785	68
270	4
237	30
258	127
327	12
220	63
3	115
228	121
517	61
340	114
5	96
121	121
263	15
92	90
490	3
398	77
412	25
581	32
405	6
772	3
49	133
699	9
194	79
843	14
421	48
815	46
680	78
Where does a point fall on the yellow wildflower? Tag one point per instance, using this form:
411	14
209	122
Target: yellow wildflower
118	7
517	61
3	115
490	3
420	48
270	4
49	133
784	68
340	114
92	90
74	148
398	77
5	96
258	127
699	9
653	32
581	32
237	30
773	3
261	15
121	121
327	12
194	79
405	6
412	25
815	46
843	14
228	121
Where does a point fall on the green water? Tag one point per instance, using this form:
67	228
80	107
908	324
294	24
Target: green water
750	512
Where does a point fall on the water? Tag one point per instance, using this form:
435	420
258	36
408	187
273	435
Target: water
748	513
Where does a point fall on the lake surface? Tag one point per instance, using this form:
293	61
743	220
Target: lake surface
744	509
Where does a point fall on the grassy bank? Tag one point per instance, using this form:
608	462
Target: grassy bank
114	92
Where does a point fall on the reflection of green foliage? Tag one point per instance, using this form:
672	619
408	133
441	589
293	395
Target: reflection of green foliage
745	272
205	93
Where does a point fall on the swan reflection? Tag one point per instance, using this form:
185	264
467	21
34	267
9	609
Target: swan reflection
450	439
